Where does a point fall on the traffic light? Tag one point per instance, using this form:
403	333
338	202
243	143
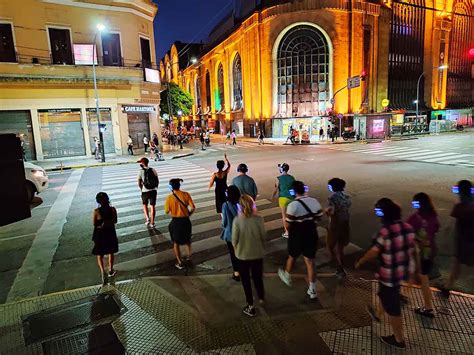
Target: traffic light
363	75
471	53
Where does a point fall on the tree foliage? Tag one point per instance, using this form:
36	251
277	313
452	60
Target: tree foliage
180	100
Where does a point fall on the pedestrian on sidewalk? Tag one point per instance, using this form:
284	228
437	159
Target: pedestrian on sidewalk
463	213
104	236
201	139
148	183
260	138
290	135
130	145
394	247
96	148
220	179
328	133
321	134
339	229
227	138
155	140
180	206
283	185
229	212
248	239
425	225
302	215
233	136
146	142
245	183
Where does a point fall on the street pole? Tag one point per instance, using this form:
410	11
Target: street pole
418	97
101	137
333	100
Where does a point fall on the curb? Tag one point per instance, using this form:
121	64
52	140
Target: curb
182	155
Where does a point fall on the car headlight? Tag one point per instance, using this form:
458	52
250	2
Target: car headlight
38	173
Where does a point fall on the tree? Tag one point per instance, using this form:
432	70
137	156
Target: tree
180	100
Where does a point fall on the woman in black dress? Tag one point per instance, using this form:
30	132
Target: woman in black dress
104	236
220	179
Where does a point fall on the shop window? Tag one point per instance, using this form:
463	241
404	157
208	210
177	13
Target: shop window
7	47
303	72
111	50
61	49
146	53
61	133
237	82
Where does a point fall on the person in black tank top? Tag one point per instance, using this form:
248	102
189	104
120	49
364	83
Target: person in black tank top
104	235
220	179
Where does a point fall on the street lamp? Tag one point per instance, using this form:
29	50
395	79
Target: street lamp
100	28
417	101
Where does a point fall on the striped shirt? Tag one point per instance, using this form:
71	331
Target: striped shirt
297	213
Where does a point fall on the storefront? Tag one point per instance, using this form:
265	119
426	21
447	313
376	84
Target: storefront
408	124
18	122
306	126
461	117
61	132
138	119
108	133
372	126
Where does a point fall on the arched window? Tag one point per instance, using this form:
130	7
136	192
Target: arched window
220	100
197	93
237	82
303	72
208	90
406	52
460	84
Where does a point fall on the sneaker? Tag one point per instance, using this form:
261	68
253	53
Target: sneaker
104	279
390	340
112	273
236	277
250	311
371	311
285	235
312	294
425	312
284	276
147	222
152	225
179	266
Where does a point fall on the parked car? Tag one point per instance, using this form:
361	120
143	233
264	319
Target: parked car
36	179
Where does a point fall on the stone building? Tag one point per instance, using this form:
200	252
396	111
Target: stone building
46	76
276	64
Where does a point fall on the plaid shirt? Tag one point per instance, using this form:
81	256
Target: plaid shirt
395	244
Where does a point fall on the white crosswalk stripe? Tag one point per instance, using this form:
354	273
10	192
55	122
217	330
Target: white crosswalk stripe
410	153
240	144
141	247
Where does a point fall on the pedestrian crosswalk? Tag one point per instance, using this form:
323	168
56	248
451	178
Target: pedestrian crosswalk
410	153
143	248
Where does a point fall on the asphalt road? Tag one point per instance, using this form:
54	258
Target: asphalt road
393	169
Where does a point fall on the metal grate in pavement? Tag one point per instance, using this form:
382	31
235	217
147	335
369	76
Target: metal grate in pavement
67	317
98	340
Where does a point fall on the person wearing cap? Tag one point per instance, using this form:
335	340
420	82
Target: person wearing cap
148	183
245	183
282	187
180	206
302	215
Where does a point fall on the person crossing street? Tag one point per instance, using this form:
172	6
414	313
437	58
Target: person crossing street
283	184
245	183
302	215
148	183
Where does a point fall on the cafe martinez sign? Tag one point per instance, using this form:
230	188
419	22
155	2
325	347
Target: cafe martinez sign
132	109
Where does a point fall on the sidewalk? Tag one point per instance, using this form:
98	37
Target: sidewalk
81	162
202	314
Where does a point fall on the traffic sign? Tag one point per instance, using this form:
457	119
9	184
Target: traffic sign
353	82
340	116
385	102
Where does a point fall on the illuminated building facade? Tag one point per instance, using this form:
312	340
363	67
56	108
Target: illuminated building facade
276	64
46	76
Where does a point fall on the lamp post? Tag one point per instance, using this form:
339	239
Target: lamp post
417	101
100	28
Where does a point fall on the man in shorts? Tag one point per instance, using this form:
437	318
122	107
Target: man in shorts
148	183
282	187
301	221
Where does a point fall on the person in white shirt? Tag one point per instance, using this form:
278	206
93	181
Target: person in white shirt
130	145
301	222
148	183
146	141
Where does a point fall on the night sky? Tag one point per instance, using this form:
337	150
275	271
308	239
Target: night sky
183	20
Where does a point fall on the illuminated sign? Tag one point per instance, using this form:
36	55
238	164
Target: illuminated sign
152	75
378	126
83	54
149	109
102	109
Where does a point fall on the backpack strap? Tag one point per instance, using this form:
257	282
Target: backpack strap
180	201
306	208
